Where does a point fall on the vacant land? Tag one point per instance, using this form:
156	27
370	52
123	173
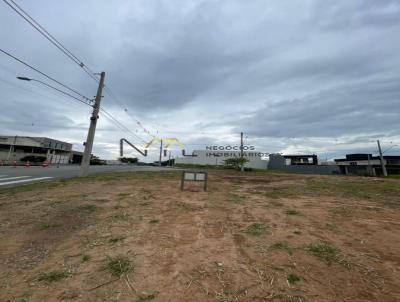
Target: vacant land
251	237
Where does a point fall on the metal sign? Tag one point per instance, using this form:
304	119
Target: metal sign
194	176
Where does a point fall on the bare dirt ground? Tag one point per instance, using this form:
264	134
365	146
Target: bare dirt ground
251	237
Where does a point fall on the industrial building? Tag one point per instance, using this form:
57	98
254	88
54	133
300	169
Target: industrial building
364	163
15	148
301	163
208	157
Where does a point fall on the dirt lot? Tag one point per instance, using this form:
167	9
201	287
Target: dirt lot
251	237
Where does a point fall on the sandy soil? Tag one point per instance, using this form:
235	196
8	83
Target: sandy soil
236	242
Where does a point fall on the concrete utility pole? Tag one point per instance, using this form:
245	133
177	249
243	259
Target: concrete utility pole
241	151
381	159
159	162
11	149
87	154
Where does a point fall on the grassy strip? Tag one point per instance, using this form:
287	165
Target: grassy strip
91	178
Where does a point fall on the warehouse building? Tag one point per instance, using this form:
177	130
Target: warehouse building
367	164
18	148
301	163
208	157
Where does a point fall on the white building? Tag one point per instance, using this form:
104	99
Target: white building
208	157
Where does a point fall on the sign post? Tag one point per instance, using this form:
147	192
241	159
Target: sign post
194	176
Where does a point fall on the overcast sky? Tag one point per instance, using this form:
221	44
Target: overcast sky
294	76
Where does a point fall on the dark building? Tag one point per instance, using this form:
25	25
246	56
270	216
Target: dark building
292	160
367	164
302	163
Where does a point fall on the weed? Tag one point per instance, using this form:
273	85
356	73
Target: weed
53	276
89	207
275	203
256	229
188	206
343	211
121	216
292	212
331	226
147	194
153	221
293	278
282	246
85	258
118	206
116	239
238	199
44	225
325	251
277	192
119	265
146	297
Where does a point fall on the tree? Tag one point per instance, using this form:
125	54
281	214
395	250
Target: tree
128	160
95	160
235	162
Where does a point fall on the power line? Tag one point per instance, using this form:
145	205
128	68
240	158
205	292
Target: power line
43	74
110	117
63	92
21	12
62	97
124	107
120	125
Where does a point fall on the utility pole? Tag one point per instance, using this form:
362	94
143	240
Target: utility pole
11	149
369	165
241	151
159	162
381	159
87	154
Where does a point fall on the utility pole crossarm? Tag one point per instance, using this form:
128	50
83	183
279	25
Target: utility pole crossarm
92	129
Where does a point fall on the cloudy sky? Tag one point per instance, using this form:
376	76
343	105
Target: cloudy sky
294	76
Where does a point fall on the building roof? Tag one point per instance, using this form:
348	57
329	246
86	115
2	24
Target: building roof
35	141
364	156
299	155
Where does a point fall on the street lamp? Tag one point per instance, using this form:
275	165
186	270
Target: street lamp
93	119
52	87
24	79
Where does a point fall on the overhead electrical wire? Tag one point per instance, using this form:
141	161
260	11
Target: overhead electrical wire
44	74
124	107
64	92
21	12
120	125
109	116
59	90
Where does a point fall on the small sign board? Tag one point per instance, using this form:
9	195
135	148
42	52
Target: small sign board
194	176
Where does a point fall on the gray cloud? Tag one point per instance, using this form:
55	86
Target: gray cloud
275	69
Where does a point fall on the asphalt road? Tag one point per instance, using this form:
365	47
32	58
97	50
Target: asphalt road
10	176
